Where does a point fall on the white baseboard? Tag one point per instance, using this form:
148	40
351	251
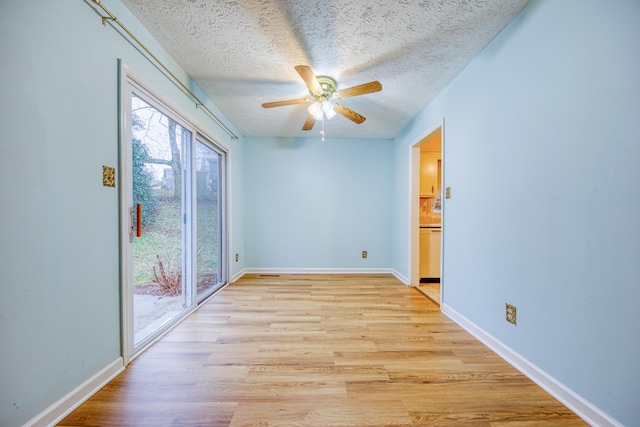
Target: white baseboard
318	271
238	275
63	407
583	408
400	277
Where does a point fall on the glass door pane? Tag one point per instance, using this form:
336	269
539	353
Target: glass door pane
209	275
160	272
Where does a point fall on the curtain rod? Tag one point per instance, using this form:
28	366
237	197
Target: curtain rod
199	103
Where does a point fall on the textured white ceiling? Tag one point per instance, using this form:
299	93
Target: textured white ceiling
243	52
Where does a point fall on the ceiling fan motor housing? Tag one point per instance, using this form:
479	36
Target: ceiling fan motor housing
328	86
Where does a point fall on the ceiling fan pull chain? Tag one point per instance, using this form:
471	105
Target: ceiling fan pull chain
322	131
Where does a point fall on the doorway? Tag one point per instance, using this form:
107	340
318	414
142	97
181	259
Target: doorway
427	214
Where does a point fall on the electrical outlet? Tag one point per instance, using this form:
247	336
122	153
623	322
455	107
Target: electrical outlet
237	257
511	314
364	254
447	193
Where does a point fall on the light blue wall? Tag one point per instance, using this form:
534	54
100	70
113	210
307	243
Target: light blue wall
542	153
59	292
313	204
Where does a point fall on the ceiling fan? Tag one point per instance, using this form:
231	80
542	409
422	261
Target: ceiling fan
324	91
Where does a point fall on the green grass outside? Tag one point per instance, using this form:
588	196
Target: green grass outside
162	235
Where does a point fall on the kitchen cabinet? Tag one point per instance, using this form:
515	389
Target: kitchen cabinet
429	173
430	241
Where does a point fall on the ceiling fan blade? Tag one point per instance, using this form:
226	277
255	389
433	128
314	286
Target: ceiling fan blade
281	103
349	113
308	124
362	89
309	78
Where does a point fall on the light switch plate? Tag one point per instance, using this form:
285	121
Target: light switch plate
108	176
511	313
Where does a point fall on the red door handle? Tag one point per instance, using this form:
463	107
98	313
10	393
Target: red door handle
138	220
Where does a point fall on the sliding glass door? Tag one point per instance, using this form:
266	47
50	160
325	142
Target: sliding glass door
173	216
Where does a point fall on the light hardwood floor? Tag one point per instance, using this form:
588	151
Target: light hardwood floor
320	350
431	291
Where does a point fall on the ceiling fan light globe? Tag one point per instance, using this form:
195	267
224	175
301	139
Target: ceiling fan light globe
330	114
315	109
327	107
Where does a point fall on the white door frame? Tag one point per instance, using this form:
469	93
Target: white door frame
126	220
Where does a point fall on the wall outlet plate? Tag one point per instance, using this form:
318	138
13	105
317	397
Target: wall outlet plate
511	313
364	254
447	193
